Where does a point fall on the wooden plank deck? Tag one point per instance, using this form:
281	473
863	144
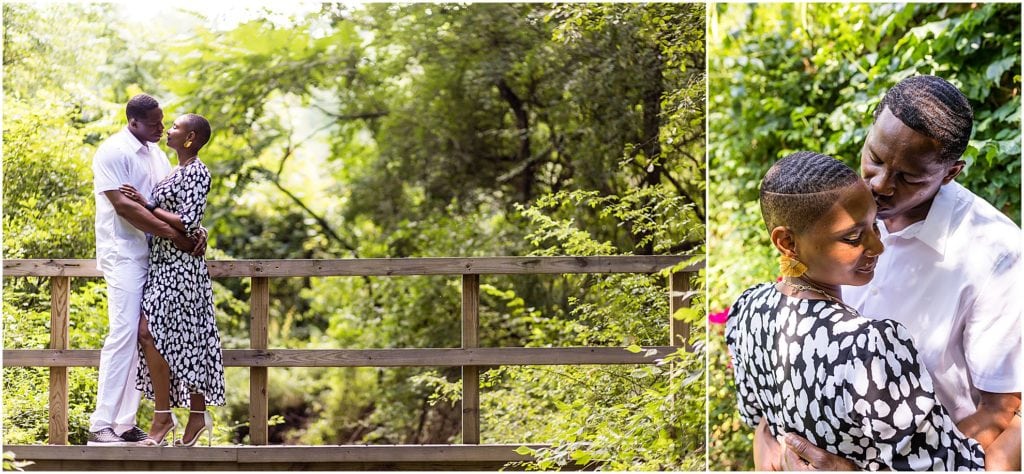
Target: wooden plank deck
257	458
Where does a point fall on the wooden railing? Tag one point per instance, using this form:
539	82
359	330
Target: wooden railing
260	357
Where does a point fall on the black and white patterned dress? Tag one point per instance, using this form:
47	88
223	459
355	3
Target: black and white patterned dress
177	300
850	385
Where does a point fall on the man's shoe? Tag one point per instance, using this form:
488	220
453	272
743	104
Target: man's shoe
105	437
135	435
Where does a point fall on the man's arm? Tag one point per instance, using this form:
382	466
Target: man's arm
142	219
801	455
994	415
1004	453
169	217
798	455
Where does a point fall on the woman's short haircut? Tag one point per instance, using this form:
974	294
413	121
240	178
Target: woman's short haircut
935	108
139	106
199	124
801	188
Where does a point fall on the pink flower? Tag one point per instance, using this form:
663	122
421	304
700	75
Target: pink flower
719	317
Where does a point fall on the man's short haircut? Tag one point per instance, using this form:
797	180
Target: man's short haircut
801	188
139	106
199	124
935	108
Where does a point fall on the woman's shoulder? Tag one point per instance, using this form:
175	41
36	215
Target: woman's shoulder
197	166
756	292
874	337
196	170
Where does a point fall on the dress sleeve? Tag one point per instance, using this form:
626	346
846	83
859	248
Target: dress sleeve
196	185
890	398
736	338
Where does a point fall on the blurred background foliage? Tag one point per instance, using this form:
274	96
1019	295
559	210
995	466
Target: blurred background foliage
788	77
389	131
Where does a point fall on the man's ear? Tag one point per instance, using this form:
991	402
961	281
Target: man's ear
953	171
783	239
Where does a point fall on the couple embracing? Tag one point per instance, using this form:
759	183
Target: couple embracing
892	340
163	340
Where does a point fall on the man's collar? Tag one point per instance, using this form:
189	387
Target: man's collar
934	229
134	143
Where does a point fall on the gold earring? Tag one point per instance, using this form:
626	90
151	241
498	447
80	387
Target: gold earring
791	267
188	143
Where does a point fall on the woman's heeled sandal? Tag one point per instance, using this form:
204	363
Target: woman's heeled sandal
162	440
207	427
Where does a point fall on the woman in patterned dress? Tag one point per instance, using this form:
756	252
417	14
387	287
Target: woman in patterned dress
181	363
809	364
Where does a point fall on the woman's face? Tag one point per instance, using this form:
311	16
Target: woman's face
842	247
178	133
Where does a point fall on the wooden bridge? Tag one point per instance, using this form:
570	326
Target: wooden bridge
470	454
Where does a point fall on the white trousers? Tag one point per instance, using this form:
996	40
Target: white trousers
117	400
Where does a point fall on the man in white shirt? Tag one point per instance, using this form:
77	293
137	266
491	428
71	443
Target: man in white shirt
130	156
950	272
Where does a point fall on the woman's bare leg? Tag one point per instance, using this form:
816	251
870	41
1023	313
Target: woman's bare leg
160	375
196	417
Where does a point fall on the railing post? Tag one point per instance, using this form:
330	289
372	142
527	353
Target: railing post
470	374
679	331
259	318
60	294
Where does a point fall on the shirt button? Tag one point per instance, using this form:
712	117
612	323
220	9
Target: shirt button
874	290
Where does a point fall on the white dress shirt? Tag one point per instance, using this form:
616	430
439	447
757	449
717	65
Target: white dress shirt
953	281
121	159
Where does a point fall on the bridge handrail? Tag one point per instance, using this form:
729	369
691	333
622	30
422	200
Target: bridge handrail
260	357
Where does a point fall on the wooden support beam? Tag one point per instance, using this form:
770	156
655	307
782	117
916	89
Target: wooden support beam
470	374
60	295
258	339
679	331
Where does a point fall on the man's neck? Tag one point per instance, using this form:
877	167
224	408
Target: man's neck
140	139
904	220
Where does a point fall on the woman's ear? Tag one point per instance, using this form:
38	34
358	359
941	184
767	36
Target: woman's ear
784	240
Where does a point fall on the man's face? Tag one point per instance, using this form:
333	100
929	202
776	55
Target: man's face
149	128
903	169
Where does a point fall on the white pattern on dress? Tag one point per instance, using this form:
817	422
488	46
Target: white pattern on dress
850	385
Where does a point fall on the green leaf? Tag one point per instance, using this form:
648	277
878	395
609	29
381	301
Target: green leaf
525	450
996	69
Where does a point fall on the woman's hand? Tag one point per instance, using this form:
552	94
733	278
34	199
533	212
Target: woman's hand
131	193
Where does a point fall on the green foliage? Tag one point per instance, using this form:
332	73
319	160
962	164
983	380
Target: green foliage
48	201
615	418
787	77
729	439
13	464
